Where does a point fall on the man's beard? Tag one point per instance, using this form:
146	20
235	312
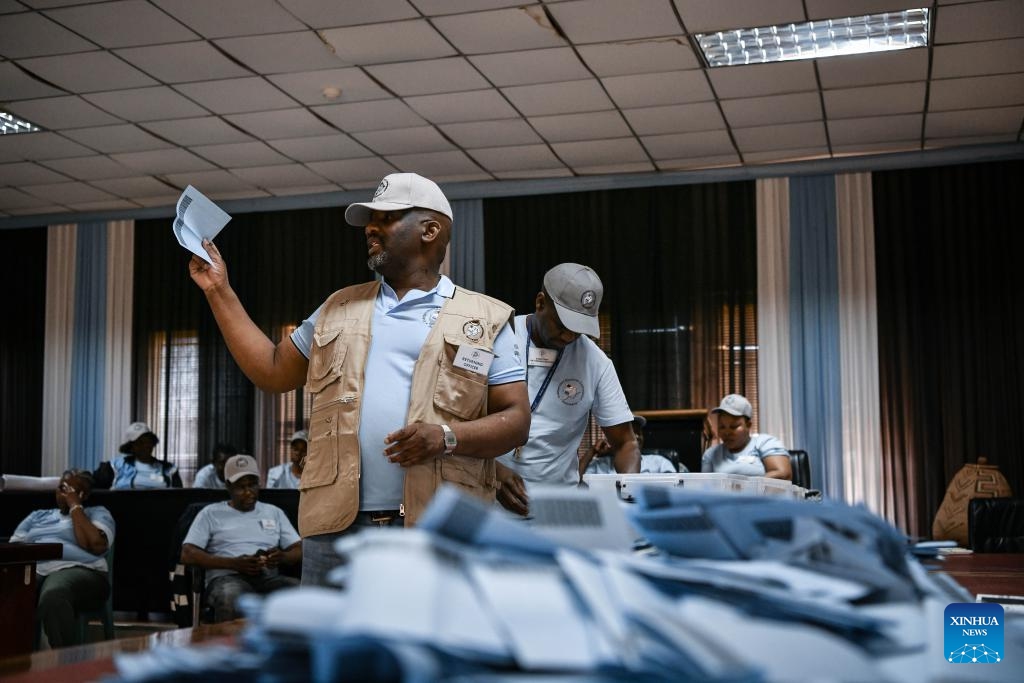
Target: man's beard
377	260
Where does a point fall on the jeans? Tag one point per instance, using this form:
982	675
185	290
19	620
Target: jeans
65	593
222	592
318	556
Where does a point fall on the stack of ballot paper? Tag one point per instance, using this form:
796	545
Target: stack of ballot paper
197	219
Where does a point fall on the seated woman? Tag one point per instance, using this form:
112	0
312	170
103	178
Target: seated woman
756	455
137	468
78	581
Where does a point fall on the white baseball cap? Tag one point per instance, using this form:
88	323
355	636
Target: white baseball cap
301	435
135	430
239	466
397	192
737	405
576	292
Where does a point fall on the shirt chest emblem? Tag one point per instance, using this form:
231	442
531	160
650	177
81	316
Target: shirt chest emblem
570	391
473	330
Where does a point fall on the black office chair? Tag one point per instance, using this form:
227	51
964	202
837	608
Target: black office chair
670	454
186	582
996	525
801	465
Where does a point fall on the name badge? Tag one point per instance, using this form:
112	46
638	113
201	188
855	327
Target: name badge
473	359
545	357
268	524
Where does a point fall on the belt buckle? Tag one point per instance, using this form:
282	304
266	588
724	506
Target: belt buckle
381	518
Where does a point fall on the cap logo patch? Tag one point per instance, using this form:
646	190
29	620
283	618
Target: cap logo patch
381	189
473	330
588	298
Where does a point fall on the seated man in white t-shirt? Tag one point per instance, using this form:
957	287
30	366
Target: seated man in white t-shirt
755	455
288	475
241	542
211	476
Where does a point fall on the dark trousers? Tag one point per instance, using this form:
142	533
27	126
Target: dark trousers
65	593
222	592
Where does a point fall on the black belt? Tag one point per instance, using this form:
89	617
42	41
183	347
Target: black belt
381	517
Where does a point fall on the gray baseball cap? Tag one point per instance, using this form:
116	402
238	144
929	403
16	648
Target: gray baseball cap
239	466
576	292
397	192
737	405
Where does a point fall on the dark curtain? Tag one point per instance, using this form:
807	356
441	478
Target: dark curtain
23	280
678	266
950	329
282	266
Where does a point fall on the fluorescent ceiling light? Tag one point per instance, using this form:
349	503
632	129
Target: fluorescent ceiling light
813	39
10	124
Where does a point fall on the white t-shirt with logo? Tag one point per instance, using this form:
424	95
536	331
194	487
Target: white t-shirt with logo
584	382
749	461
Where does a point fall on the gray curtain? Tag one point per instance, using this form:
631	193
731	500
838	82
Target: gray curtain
466	251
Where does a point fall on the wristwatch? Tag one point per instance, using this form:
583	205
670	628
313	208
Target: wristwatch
450	442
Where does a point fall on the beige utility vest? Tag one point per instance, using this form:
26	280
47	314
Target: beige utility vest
441	393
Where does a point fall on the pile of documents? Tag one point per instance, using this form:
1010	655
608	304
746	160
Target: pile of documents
729	588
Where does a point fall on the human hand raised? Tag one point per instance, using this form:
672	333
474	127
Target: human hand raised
208	275
414	443
511	490
70	495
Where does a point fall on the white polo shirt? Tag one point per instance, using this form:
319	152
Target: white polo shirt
398	332
748	461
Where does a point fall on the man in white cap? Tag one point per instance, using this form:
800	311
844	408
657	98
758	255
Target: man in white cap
740	451
287	475
569	378
413	379
240	542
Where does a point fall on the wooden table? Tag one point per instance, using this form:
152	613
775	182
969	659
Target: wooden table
18	593
95	660
998	573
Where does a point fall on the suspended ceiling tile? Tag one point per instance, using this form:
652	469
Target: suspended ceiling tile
677	118
61	112
122	137
996	121
89	168
308	87
308	189
374	115
204	130
652	90
590	126
605	169
209	182
715	161
600	152
232	17
437	7
288	175
404	140
353	172
331	13
141	186
161	200
932	143
879	100
398	41
760	111
236	95
30	35
281	52
437	165
870	69
182	62
321	148
38	210
528	174
49	4
503	30
15	84
146	104
14	200
679	145
11	6
88	72
978	59
598	21
976	92
240	194
875	129
39	147
642	56
109	23
979	21
781	155
162	161
240	154
833	9
763	79
66	193
702	16
491	133
523	158
26	173
475	105
451	74
558	98
531	66
283	123
105	205
876	148
786	136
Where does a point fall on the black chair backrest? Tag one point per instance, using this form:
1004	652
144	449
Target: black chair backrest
670	454
801	464
996	525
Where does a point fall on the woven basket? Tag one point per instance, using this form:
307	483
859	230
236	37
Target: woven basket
972	481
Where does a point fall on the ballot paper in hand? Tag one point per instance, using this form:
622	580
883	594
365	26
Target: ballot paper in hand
197	219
